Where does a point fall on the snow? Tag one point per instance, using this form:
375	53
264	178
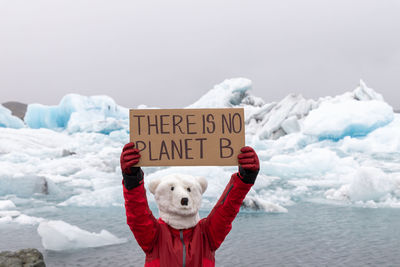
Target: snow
8	120
59	235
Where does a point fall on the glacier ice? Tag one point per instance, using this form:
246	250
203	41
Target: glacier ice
259	203
363	93
8	120
290	106
382	140
229	93
59	235
347	118
25	219
5	219
309	162
6	204
25	186
103	197
366	184
78	113
9	213
343	149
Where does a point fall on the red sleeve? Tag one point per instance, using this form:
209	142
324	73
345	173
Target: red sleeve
219	221
140	218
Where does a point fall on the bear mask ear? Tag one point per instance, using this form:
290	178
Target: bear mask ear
203	183
153	185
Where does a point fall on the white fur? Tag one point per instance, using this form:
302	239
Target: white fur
168	201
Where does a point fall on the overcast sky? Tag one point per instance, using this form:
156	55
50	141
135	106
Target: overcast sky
168	53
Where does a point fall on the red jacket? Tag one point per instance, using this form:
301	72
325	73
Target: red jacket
166	246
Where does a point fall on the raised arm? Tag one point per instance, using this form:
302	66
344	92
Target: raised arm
219	222
139	216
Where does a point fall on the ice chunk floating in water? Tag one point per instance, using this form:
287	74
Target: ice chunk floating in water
59	235
367	185
348	118
78	113
6	205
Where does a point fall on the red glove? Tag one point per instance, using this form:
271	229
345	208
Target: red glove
129	157
249	165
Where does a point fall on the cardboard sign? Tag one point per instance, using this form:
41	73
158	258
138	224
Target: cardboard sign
188	137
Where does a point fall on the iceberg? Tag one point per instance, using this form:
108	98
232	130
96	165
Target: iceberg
262	119
7	120
100	114
277	119
229	93
77	113
9	213
283	118
6	205
274	120
103	197
59	235
347	118
382	140
6	219
67	159
258	203
365	185
25	219
26	186
363	93
308	162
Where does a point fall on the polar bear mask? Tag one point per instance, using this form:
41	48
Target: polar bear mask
178	198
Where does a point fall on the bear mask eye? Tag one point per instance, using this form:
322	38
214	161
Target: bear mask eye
172	188
188	189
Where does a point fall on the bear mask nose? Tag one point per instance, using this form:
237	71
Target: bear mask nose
184	201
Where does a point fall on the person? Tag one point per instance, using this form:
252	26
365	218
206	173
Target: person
165	245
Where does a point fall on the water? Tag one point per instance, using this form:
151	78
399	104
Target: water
315	235
310	234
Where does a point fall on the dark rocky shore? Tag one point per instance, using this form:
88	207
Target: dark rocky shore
22	258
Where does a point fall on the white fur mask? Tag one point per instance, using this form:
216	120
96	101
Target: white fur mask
178	198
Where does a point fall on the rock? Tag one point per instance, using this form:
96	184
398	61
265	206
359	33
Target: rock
22	258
